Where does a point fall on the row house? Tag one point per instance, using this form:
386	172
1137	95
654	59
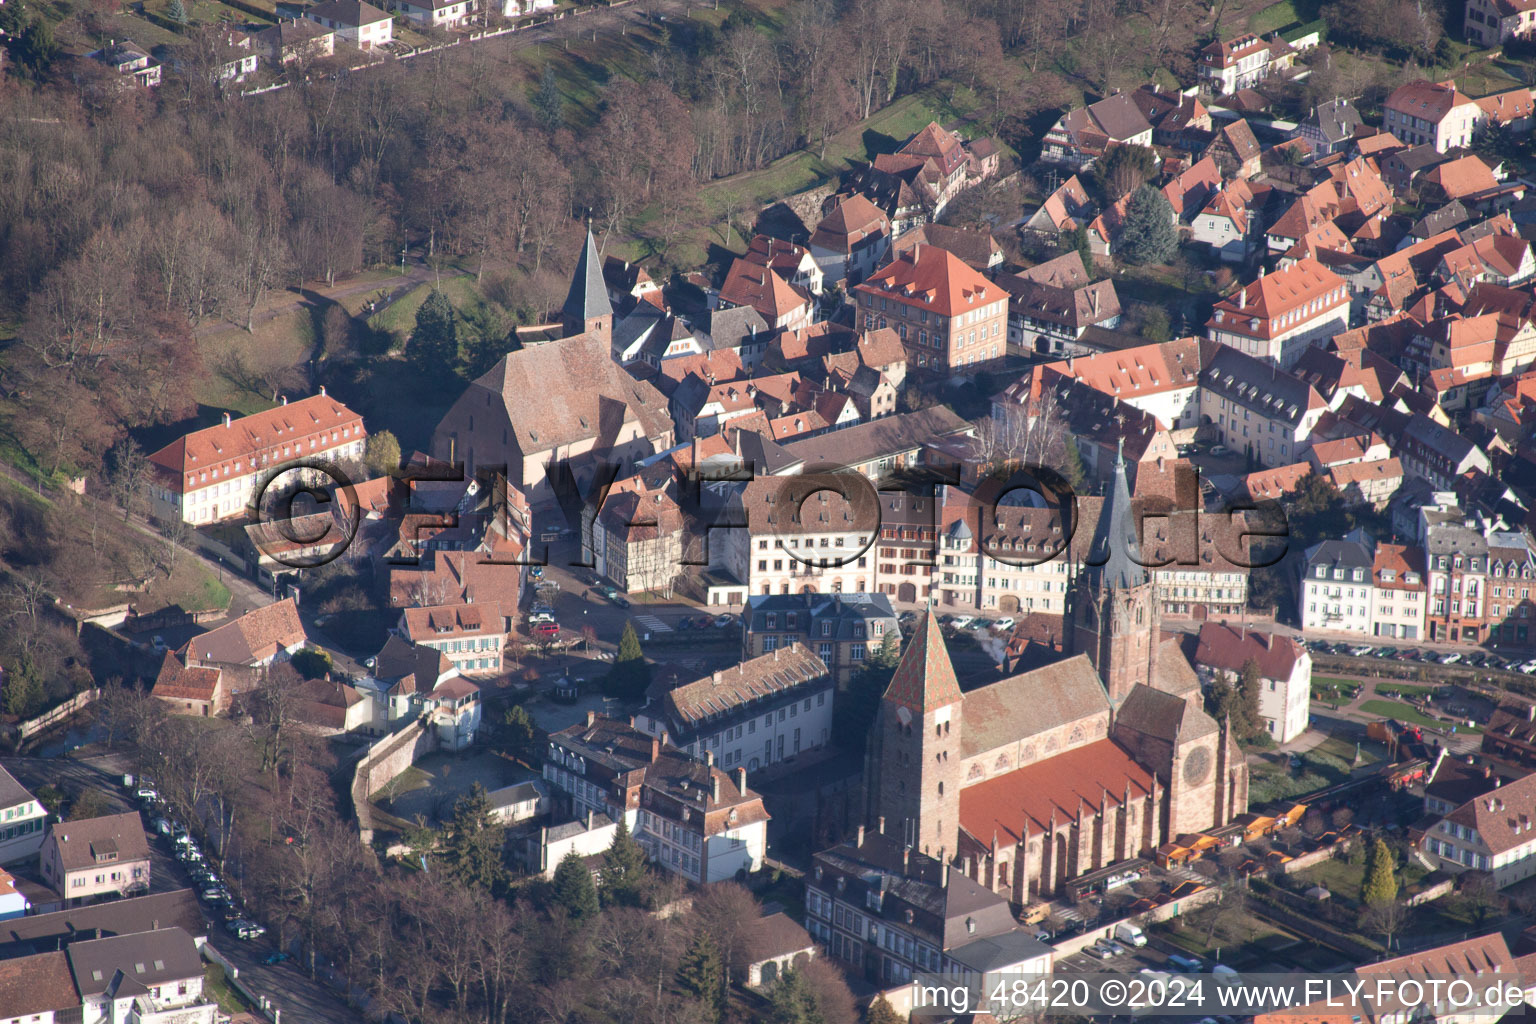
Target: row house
794	263
1336	585
215	473
951	319
1437	454
637	540
781	304
692	817
1440	115
1243	62
1285	673
797	541
1278	316
1398	592
1480	577
764	711
842	629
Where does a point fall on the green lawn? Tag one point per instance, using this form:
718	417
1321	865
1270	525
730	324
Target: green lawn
217	986
1344	750
1405	689
1273	18
1411	715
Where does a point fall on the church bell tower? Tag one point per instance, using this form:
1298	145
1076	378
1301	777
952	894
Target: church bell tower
1114	607
912	776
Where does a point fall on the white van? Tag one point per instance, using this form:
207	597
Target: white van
1127	932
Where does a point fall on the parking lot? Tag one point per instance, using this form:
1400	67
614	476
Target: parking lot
1423	655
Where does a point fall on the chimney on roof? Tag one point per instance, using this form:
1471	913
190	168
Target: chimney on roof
709	758
714	786
226	419
322	390
880	824
282	399
943	871
590	817
591	718
906	858
739	776
716	677
655	749
859	840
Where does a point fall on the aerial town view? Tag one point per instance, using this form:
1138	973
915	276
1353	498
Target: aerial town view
767	511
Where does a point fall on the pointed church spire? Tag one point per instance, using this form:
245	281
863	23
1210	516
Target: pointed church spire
925	677
588	298
1115	557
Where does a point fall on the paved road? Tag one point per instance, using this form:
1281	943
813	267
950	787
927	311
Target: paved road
302	1000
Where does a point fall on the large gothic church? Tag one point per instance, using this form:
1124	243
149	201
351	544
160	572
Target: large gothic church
1047	775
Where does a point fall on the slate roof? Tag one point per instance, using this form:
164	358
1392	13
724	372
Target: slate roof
1163	715
140	960
1114	560
768	676
176	909
1335	120
587	298
1225	648
347	12
13	793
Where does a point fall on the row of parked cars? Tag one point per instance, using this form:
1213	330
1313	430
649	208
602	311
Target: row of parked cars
211	890
963	622
1476	659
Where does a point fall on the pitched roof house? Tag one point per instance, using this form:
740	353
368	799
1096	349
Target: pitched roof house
758	285
257	638
96	856
356	21
850	240
1086	133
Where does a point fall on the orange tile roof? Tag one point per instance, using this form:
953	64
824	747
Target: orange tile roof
934	279
180	682
1463	177
750	284
254	637
1277	294
1274	483
263	433
1486	953
1088	779
1399	560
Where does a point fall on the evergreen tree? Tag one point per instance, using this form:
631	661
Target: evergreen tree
854	713
572	888
702	973
1380	881
882	1012
623	872
631	673
381	454
548	104
518	735
23	695
434	344
1077	239
1072	464
1148	234
1246	720
793	1002
475	839
176	11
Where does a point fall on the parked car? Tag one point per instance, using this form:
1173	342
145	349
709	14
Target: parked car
1451	659
244	928
906	618
686	622
981	625
274	958
546	629
162	826
1220	450
722	621
1004	623
1099	950
961	621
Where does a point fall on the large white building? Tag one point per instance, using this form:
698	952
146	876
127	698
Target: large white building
797	541
1336	585
1285	673
214	473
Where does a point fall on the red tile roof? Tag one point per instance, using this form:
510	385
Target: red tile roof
261	434
1087	779
751	284
934	279
1277	294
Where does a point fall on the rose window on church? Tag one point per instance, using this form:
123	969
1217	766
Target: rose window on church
1197	766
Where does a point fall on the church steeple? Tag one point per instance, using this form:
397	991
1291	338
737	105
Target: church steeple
587	309
1115	556
1114	607
912	775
